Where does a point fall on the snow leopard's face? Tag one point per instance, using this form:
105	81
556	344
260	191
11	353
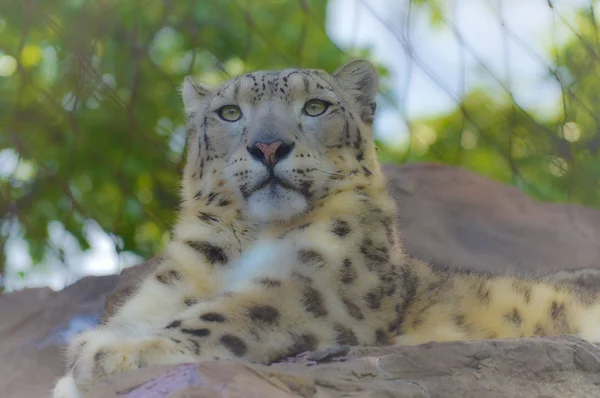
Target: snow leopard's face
285	138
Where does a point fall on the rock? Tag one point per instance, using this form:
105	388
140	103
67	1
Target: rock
35	325
454	217
549	367
450	216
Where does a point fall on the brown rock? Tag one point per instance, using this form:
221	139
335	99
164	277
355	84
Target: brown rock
449	216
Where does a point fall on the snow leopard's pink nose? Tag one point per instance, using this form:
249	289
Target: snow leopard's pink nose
270	154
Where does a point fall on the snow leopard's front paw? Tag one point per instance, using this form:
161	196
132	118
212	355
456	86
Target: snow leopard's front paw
94	355
128	354
80	363
120	356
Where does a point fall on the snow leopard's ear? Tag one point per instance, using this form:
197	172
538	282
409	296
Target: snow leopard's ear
359	79
193	95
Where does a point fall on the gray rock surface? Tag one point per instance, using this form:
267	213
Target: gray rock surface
449	216
34	325
517	368
454	217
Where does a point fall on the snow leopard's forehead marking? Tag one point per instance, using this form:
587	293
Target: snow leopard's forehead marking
284	85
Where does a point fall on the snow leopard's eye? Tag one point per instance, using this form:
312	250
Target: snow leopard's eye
316	107
230	113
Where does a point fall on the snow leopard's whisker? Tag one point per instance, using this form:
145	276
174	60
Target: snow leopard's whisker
335	173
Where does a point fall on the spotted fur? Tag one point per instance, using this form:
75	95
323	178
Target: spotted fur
270	260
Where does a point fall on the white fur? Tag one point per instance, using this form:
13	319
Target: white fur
193	94
590	324
275	204
267	258
66	388
187	229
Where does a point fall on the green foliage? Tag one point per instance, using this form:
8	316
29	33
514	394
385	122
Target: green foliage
89	106
93	109
553	158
